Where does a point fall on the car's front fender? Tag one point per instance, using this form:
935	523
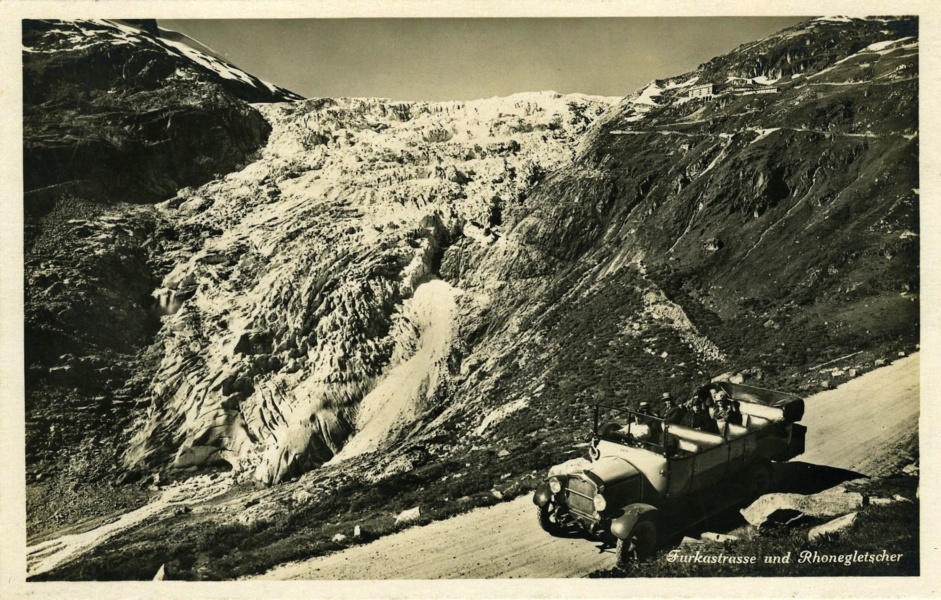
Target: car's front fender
622	526
543	494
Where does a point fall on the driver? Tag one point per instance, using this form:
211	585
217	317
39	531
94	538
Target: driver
654	429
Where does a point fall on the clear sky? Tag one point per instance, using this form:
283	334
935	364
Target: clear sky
463	59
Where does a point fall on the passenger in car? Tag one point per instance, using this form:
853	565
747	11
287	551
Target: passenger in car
671	412
727	413
698	418
712	398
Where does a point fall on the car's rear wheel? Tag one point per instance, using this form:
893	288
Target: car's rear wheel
548	517
760	479
639	545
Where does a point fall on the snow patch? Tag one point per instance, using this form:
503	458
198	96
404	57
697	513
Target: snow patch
224	70
647	96
122	27
885	44
497	415
762	133
400	396
477	234
835	19
687	83
47	555
760	80
880	48
718	157
763	80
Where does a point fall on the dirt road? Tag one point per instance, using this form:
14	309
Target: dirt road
852	427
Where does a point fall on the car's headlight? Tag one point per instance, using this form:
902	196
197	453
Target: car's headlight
555	485
599	502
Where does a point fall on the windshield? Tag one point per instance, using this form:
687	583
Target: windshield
628	426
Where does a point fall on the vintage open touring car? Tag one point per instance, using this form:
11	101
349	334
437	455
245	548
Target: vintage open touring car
645	471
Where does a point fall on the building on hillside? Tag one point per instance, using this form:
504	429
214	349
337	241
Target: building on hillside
701	91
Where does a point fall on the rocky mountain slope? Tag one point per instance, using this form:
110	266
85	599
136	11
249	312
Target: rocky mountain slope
439	280
780	217
116	116
787	202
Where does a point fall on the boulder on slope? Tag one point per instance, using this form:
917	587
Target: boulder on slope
408	516
788	508
834	527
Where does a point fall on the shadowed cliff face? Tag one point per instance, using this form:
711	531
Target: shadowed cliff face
114	114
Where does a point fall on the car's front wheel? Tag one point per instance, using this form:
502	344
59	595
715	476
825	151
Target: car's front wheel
639	545
760	478
549	518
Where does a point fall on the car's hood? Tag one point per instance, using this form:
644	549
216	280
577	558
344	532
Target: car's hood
611	469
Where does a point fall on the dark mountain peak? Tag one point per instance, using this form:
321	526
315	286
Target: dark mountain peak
131	110
790	71
112	41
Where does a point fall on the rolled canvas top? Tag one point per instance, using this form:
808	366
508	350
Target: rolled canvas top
791	406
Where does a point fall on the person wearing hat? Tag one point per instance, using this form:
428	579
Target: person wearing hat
726	412
644	418
711	402
644	409
698	418
671	412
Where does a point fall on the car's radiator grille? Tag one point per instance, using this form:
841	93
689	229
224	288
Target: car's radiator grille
579	495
